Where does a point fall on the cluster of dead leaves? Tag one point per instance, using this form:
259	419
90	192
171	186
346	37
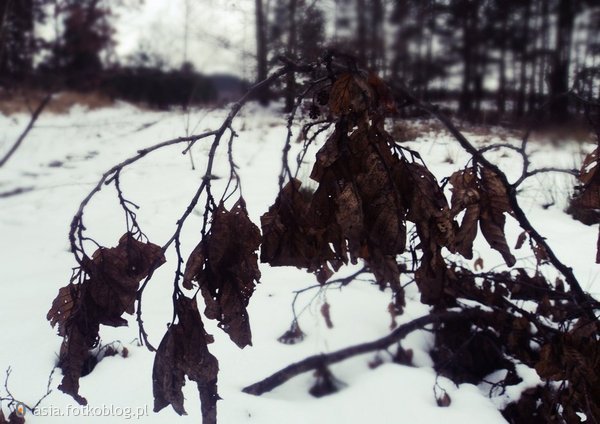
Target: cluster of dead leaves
225	266
588	198
365	195
356	211
574	357
485	201
110	289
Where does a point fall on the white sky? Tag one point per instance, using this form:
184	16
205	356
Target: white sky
220	31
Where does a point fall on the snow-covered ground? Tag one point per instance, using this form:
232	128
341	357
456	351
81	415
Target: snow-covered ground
66	154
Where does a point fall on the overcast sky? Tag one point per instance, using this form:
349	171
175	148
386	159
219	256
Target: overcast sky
219	32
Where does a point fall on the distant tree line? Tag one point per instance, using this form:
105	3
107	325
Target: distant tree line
485	59
501	58
79	55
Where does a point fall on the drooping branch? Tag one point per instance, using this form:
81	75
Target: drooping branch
316	361
579	296
34	117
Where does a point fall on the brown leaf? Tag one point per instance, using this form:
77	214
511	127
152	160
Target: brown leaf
521	240
225	265
287	239
326	316
589	167
540	253
182	352
495	191
292	336
349	93
115	275
478	265
467	231
62	307
465	190
443	400
492	228
383	95
109	291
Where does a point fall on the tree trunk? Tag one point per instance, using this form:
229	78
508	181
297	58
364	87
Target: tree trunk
361	32
520	110
261	51
290	85
559	75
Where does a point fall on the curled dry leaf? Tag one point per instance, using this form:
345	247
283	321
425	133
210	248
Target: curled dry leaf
588	196
492	218
478	264
287	238
292	336
183	352
428	209
575	358
443	400
356	212
225	265
465	194
326	315
350	94
521	240
589	168
486	202
110	289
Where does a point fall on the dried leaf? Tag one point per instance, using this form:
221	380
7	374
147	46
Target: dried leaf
589	167
383	95
287	238
292	336
109	291
492	228
325	384
326	316
478	264
182	352
349	94
521	240
467	231
443	400
225	264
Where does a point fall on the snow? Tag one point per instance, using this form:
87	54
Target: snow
65	155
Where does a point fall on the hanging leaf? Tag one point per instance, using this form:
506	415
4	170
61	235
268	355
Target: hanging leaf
589	167
292	336
287	238
326	315
521	240
104	296
183	352
325	384
225	265
349	94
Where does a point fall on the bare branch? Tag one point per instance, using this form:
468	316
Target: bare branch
316	361
34	117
